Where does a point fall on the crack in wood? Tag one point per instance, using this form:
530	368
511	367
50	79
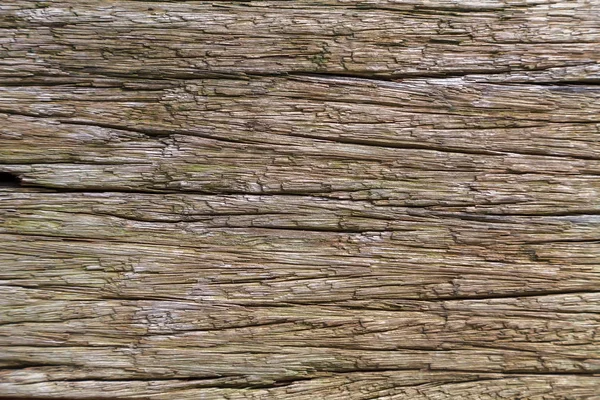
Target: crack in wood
273	199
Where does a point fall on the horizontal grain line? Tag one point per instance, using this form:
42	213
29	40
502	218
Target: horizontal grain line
524	373
384	144
576	84
224	192
343	304
596	240
153	133
382	77
474	297
433	148
510	213
541	293
149	132
466	73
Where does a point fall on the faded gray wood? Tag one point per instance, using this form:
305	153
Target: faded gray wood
300	200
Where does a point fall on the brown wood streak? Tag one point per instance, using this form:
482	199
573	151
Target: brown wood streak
299	199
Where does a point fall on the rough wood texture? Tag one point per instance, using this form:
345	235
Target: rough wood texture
300	199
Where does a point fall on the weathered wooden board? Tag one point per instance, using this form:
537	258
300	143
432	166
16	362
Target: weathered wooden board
300	199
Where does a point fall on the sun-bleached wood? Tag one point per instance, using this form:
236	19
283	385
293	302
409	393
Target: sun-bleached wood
299	199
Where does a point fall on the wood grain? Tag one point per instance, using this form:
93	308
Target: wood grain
300	199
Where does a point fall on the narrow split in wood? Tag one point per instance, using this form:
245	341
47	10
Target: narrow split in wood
299	200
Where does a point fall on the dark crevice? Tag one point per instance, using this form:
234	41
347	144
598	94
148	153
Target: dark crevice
147	190
374	77
561	85
56	189
493	296
16	365
466	73
522	373
574	240
9	180
511	218
465	297
371	76
94	72
541	213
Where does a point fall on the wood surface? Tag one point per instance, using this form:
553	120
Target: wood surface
328	199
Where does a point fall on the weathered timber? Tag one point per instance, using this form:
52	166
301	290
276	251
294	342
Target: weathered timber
300	199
